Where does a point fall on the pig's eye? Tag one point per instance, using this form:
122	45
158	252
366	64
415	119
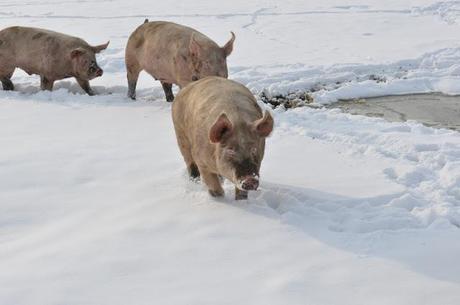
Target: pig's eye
92	67
231	153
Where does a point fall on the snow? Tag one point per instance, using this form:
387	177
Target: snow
96	207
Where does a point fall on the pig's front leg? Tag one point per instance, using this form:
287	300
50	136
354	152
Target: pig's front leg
213	183
46	84
193	171
167	88
240	195
84	84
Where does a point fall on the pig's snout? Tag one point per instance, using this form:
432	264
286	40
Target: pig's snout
249	183
99	72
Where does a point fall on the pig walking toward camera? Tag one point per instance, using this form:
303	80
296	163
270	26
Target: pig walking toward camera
173	54
53	56
221	131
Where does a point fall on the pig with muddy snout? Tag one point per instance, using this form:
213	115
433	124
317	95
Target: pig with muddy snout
173	54
221	131
53	56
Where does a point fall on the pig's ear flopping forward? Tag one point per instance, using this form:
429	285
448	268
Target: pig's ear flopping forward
221	129
228	48
101	47
77	52
264	126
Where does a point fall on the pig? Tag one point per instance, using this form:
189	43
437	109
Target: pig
173	54
221	131
53	56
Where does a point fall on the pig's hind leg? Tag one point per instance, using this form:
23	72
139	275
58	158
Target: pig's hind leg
167	88
46	84
185	149
5	78
7	84
132	75
213	183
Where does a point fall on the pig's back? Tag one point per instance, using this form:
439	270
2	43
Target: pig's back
200	103
173	32
164	36
34	47
28	38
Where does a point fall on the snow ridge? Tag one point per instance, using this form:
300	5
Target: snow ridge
437	71
448	11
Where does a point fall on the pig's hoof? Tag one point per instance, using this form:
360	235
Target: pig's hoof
193	171
241	195
216	193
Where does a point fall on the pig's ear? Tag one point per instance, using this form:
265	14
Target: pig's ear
77	52
221	129
101	47
264	126
228	48
194	47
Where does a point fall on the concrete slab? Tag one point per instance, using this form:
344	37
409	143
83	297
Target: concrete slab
434	109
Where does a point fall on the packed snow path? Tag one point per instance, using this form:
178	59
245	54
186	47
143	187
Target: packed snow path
96	208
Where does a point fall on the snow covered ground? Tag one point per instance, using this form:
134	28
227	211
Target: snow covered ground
95	206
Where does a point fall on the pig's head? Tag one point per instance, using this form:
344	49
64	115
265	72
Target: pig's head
84	63
207	60
240	149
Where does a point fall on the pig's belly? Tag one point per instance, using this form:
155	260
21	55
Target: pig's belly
161	73
29	70
31	65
